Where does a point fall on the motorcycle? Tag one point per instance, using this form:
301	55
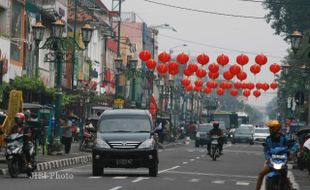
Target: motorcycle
277	179
88	138
15	156
215	149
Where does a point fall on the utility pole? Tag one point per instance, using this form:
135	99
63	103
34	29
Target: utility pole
74	65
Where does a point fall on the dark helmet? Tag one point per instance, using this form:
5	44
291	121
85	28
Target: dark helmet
20	118
216	124
88	120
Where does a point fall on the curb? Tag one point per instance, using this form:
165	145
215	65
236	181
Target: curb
56	164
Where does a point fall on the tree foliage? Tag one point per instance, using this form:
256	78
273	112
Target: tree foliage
286	16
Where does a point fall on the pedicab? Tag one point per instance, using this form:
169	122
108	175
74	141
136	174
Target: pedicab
302	135
3	120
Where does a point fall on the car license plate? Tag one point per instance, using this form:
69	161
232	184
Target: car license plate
123	162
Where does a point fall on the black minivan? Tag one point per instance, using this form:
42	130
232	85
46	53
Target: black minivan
125	139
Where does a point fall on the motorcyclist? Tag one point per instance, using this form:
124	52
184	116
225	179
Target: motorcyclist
275	139
22	128
216	131
89	126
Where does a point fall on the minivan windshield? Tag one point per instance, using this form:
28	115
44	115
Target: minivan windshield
205	127
125	124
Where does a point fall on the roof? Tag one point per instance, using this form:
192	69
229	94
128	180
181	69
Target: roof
101	108
125	112
242	114
31	105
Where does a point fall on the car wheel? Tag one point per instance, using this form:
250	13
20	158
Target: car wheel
97	171
196	144
233	142
153	170
251	143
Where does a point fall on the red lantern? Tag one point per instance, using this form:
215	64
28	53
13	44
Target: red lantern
242	59
274	85
244	85
246	93
186	82
222	60
197	89
265	86
242	75
255	69
213	75
207	90
192	67
261	59
213	68
187	72
150	64
203	59
162	68
259	85
214	84
223	84
251	86
228	75
235	69
220	91
174	72
173	66
145	55
233	92
164	57
237	85
275	68
199	83
189	88
228	85
210	84
182	58
201	73
256	93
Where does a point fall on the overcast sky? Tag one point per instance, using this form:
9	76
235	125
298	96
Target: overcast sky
251	36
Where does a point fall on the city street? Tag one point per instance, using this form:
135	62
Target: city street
183	167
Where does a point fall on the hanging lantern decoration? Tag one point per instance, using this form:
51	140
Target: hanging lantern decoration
274	85
213	75
182	58
246	93
220	91
197	89
192	67
145	55
164	57
187	72
235	69
201	73
173	66
229	85
214	84
199	83
255	69
222	60
274	68
207	90
237	85
251	86
203	59
259	85
228	75
150	64
162	68
242	75
244	85
261	59
189	88
233	92
174	72
186	82
210	84
242	59
265	87
213	68
256	93
223	85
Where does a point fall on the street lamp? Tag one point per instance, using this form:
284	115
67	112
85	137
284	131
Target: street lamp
295	38
59	45
171	49
38	33
87	32
132	63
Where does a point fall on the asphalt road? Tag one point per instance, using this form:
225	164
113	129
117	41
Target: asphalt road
184	167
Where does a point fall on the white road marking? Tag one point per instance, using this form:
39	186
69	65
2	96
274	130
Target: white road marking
198	158
218	182
213	174
120	177
116	188
160	150
192	160
203	155
194	180
185	163
293	181
242	183
166	170
245	151
140	179
95	177
73	168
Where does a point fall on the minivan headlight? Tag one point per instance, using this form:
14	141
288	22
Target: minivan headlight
101	143
149	143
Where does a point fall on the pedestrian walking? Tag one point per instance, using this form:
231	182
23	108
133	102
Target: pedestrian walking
67	134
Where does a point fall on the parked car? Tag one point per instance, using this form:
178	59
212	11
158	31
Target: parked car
260	134
242	135
250	126
125	139
202	137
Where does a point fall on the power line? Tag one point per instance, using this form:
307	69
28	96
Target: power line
278	3
207	12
